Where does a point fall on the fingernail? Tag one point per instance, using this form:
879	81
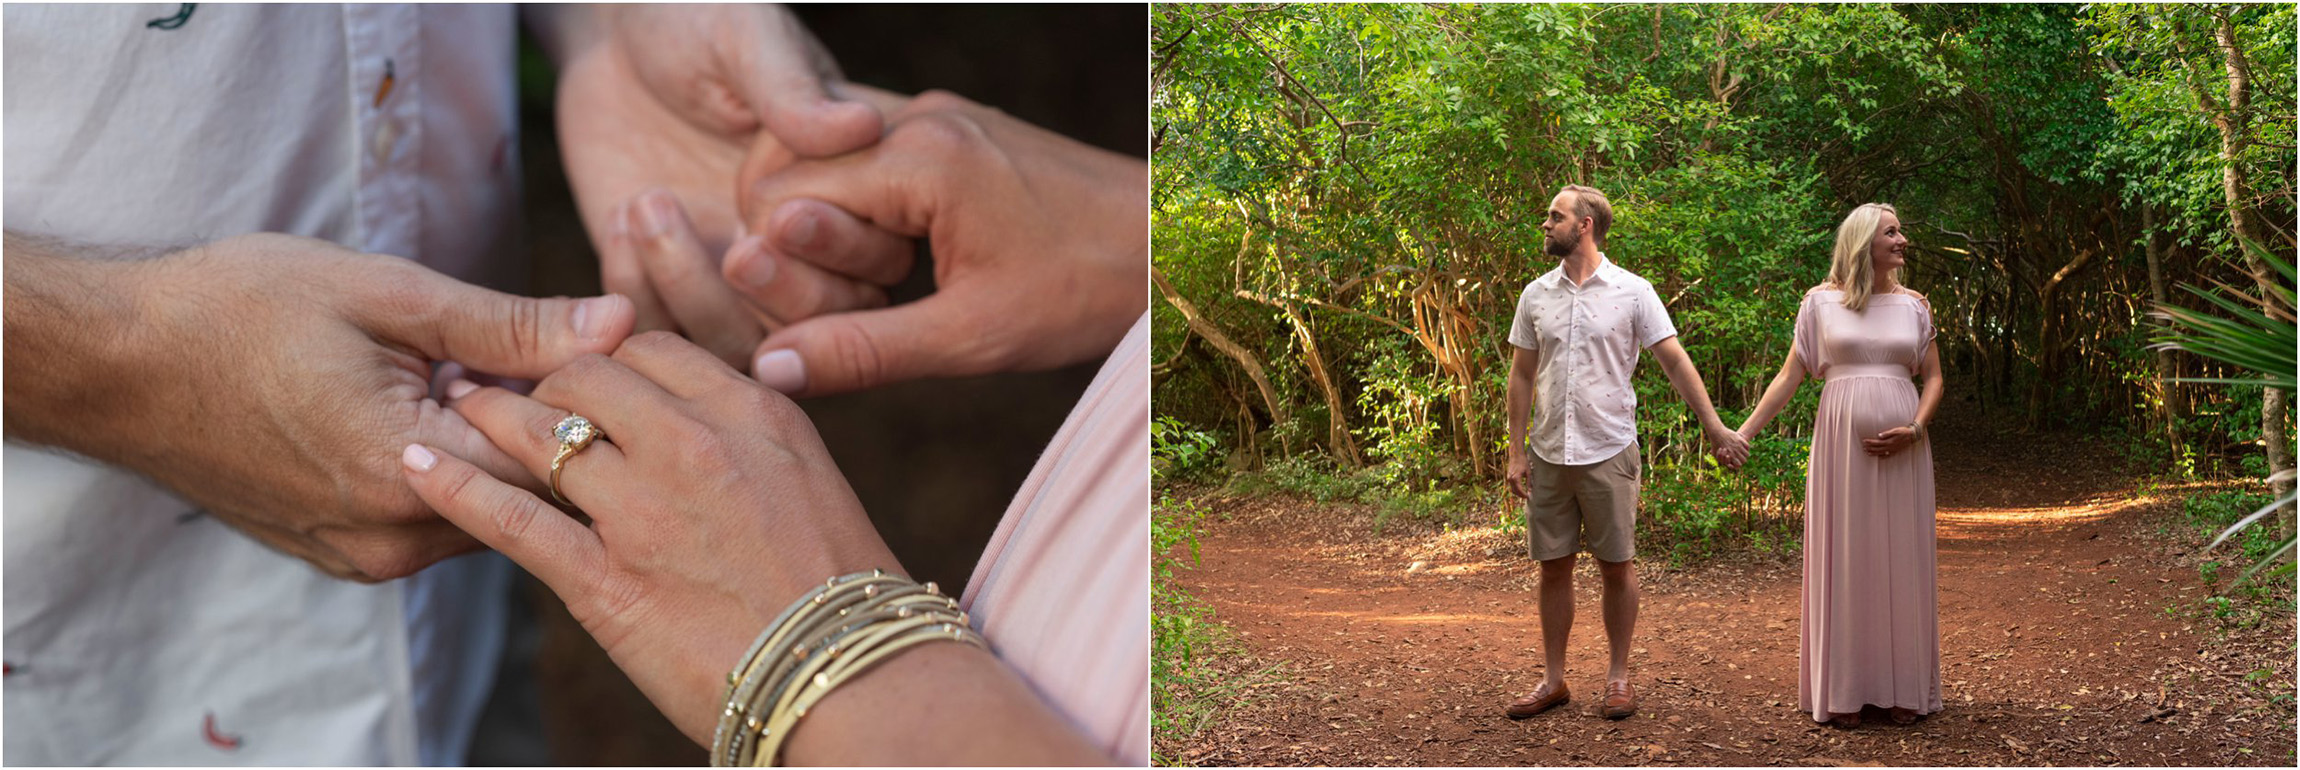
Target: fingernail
655	214
417	458
782	370
591	317
802	228
753	268
460	388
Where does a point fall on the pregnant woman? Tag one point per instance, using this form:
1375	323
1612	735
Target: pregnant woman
1869	634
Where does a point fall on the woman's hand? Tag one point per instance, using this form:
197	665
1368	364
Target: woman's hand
1892	441
713	503
1040	251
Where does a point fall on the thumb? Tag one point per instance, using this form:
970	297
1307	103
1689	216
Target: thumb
842	352
789	82
513	336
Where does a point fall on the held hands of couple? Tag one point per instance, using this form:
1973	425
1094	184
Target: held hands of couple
274	378
1729	447
1039	246
713	505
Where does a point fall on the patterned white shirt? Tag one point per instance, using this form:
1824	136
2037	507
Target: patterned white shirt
139	631
1585	339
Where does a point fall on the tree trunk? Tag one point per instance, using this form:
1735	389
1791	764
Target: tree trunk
1338	439
2167	409
2233	118
1213	335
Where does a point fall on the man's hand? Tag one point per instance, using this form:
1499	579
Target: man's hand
273	380
1730	448
1518	477
1039	251
675	99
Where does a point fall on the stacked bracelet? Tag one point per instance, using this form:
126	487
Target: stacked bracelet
830	635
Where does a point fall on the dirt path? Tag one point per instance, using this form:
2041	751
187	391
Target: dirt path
2057	647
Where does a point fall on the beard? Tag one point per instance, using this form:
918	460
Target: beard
1551	245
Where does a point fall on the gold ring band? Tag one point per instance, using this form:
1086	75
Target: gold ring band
574	433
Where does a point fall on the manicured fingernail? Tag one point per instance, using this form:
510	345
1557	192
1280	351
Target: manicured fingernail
417	458
782	370
753	268
591	317
460	388
655	214
802	228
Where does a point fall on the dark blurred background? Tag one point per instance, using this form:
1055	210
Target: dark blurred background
935	462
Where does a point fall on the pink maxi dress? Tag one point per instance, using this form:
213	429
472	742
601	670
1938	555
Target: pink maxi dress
1869	634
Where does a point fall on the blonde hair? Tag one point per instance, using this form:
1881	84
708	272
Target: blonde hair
1850	268
1588	202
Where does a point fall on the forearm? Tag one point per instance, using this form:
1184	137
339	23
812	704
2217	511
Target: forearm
1777	395
1930	400
1520	407
938	704
70	314
1687	381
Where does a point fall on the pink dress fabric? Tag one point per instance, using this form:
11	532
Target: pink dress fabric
1063	590
1869	634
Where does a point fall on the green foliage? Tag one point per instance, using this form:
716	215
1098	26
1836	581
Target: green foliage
2268	347
1182	631
2217	512
1310	476
1402	434
1179	452
1380	172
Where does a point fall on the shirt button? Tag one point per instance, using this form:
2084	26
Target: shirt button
386	137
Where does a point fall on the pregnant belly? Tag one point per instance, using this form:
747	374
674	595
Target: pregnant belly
1868	405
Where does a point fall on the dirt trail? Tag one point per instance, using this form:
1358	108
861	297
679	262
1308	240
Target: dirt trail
2057	647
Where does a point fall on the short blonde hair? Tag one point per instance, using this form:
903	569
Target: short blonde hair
1850	268
1588	202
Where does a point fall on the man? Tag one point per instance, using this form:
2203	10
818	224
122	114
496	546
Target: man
193	429
1577	332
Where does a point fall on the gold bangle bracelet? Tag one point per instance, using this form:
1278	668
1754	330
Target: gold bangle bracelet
831	634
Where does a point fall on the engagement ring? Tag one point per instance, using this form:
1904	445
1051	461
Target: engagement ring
574	433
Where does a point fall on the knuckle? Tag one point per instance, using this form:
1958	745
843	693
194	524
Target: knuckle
755	399
384	557
702	450
657	341
515	514
857	353
586	367
937	136
940	100
403	293
526	327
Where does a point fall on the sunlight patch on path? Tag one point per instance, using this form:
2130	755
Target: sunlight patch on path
1967	523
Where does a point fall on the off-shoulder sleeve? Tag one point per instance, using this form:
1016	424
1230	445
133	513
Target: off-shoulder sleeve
1806	340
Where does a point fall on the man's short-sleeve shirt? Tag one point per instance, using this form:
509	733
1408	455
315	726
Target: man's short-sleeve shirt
1586	339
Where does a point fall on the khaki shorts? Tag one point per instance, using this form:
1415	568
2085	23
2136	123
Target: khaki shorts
1572	503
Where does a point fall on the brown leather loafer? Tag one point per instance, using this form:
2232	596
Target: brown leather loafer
1541	700
1620	701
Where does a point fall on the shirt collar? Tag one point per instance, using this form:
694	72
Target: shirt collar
1604	272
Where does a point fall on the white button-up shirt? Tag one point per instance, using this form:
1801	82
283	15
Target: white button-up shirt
138	630
1585	339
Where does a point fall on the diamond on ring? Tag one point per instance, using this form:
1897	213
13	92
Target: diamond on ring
575	430
574	433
